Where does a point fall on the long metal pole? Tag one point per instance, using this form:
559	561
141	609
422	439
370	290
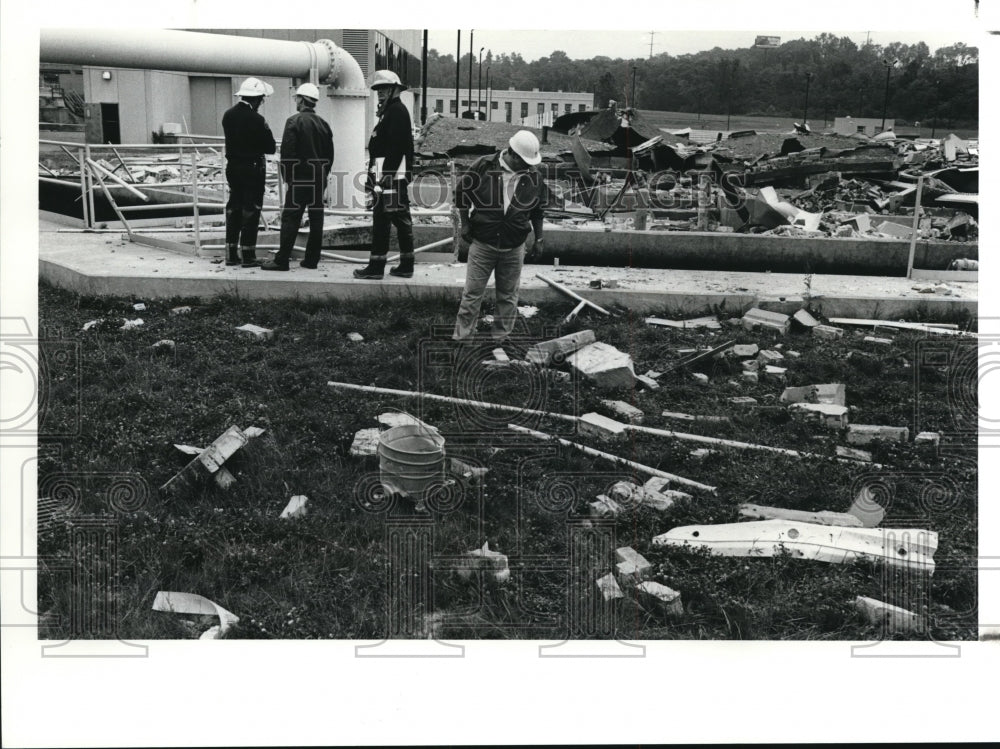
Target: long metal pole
423	84
916	227
472	56
458	74
479	85
194	198
885	100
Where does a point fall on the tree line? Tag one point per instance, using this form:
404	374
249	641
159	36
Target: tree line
842	77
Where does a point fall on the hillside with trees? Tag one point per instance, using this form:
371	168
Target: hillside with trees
846	79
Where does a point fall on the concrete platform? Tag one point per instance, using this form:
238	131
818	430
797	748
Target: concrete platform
110	265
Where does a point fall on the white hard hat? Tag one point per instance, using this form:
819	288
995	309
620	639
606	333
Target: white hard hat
525	144
254	87
384	78
308	90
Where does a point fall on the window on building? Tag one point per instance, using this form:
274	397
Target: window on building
524	109
465	102
555	107
508	108
439	106
567	108
451	106
861	128
581	108
494	105
541	108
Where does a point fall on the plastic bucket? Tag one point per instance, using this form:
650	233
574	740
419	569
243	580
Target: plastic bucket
411	458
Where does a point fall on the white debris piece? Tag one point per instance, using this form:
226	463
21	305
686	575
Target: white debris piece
190	603
604	365
355	337
255	331
132	324
365	442
296	507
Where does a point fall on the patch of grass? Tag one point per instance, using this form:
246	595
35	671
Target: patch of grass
116	410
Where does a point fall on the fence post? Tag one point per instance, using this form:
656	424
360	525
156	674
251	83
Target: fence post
194	198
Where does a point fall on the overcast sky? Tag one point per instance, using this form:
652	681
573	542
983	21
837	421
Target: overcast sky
629	44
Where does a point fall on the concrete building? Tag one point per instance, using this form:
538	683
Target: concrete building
130	105
534	108
867	125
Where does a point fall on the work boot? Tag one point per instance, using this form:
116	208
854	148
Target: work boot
405	267
274	265
250	258
232	254
374	270
310	266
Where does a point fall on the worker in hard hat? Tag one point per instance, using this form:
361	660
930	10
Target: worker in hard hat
500	200
248	139
306	160
390	154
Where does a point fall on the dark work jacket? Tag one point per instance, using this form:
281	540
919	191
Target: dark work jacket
306	148
247	135
392	139
479	198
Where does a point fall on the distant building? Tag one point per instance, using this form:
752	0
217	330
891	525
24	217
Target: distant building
867	125
533	108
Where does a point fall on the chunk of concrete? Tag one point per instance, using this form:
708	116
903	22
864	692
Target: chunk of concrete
829	415
703	452
656	484
605	507
648	382
208	461
355	337
768	356
365	442
486	560
751	376
608	588
296	507
132	324
758	318
600	426
828	331
823	517
853	454
180	311
628	574
895	619
640	567
862	434
833	393
874	339
803	318
630	413
164	347
793	354
745	350
255	331
557	349
659	598
701	379
743	401
928	438
604	365
751	365
777	374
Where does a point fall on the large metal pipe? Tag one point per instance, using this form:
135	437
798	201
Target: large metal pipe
198	52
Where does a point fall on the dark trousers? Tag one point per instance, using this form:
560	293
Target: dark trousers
246	196
390	210
299	198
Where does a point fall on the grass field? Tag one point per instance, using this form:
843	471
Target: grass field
327	575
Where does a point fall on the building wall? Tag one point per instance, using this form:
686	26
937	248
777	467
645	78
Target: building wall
867	125
524	104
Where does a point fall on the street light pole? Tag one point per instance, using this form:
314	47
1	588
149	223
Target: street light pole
489	107
471	57
885	100
458	75
805	113
479	85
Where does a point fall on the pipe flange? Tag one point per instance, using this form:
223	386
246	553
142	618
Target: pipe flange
331	56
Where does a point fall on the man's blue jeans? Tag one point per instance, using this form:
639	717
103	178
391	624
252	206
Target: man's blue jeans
485	260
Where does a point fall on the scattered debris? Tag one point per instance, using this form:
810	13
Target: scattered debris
711	323
630	413
255	331
648	382
557	349
823	517
873	339
180	311
468	473
527	311
906	547
632	567
928	438
582	303
829	415
91	324
190	603
365	443
354	337
743	401
604	365
853	454
690	417
700	378
745	350
391	419
833	393
827	331
605	507
768	356
608	588
166	346
209	461
703	452
660	598
758	318
485	559
296	507
500	355
896	620
600	426
132	324
862	434
923	327
776	374
139	307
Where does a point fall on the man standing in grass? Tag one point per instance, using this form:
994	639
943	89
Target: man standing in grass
500	200
306	159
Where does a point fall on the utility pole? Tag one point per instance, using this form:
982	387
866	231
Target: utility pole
458	74
885	100
479	85
651	34
489	107
423	84
472	55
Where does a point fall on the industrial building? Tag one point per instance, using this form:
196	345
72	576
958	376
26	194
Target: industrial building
864	125
532	108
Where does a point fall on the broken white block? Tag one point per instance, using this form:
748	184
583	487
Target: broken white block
500	355
873	339
255	331
823	517
768	356
792	354
604	365
89	325
656	484
527	311
365	442
927	438
701	379
750	376
853	454
180	311
758	318
745	350
633	557
829	415
631	414
648	382
743	401
165	346
252	432
660	598
355	337
605	507
557	349
608	588
862	434
750	365
828	331
139	307
703	452
296	507
485	559
600	426
802	317
834	393
190	603
628	574
894	618
775	373
132	324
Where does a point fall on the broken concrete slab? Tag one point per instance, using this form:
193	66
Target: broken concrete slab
355	337
895	619
208	461
750	365
776	374
803	318
691	417
853	454
743	401
605	507
769	356
758	318
365	443
745	350
608	588
659	598
630	413
648	382
703	452
928	438
751	376
873	339
639	567
487	560
828	331
601	426
132	324
700	378
604	365
557	349
823	517
833	393
256	331
711	323
829	415
296	507
180	311
862	434
500	355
